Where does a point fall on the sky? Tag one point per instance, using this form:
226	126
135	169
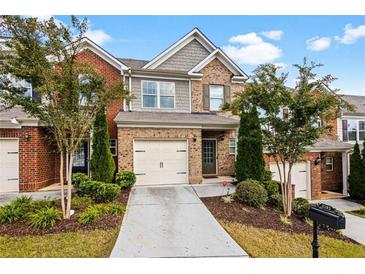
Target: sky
337	42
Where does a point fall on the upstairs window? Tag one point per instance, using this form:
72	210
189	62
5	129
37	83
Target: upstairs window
232	146
113	147
353	130
216	97
361	131
158	94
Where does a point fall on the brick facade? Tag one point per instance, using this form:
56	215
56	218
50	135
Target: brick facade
225	160
215	73
127	135
38	160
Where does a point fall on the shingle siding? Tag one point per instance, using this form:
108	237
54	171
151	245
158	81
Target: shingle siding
181	95
186	58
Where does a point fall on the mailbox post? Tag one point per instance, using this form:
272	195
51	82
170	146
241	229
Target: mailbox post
326	215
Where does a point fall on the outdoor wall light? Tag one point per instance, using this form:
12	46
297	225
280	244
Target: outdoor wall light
317	161
194	138
27	137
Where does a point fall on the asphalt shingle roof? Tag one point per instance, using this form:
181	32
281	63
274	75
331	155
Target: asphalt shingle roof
356	100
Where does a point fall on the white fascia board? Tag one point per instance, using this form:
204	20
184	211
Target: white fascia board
218	53
194	34
89	44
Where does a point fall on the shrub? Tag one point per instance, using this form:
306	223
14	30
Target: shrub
78	178
44	217
301	207
125	179
40	204
82	202
16	210
99	191
228	199
277	201
271	187
94	212
252	193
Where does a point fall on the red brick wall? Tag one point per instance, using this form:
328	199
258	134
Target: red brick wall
38	160
332	180
111	75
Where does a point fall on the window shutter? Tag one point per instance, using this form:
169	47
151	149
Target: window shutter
344	131
227	94
206	104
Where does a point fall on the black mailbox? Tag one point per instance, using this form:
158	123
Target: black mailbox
327	215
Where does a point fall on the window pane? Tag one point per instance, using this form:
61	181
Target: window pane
167	89
361	125
215	104
149	101
361	136
166	102
149	88
352	125
352	135
216	92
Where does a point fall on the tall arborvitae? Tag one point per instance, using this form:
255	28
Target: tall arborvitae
250	161
356	179
102	165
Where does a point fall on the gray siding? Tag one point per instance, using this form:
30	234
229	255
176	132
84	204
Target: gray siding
186	58
181	95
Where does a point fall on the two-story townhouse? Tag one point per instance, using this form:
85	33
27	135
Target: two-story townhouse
172	132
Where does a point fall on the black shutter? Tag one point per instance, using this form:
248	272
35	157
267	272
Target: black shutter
344	131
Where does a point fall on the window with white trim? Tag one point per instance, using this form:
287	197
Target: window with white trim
329	163
216	97
232	146
361	131
352	130
113	147
157	94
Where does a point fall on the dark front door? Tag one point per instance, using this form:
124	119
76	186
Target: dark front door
81	159
209	157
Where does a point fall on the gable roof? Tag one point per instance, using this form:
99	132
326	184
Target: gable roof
238	73
87	43
186	39
133	63
356	100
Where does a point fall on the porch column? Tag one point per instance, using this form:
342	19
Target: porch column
345	172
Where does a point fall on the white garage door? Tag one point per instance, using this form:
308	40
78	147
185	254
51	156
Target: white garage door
160	162
300	178
9	165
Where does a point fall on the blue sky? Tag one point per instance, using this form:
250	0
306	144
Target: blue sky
249	40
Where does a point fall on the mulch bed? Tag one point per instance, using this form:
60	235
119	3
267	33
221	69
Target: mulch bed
109	221
268	218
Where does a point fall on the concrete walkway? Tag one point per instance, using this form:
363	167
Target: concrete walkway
39	195
171	221
355	226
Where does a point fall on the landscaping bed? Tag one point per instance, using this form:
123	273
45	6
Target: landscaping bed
359	213
261	232
108	221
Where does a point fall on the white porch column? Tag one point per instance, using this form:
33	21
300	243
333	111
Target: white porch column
345	173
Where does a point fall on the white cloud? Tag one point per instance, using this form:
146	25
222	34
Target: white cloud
246	39
99	36
273	34
318	43
351	34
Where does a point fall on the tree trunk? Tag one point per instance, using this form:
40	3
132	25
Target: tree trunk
69	185
62	186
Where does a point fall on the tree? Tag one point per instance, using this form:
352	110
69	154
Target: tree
250	161
286	138
356	177
102	165
71	92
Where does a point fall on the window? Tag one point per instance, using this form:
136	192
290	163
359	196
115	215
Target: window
329	163
158	94
352	130
232	146
285	114
216	97
113	147
22	84
361	131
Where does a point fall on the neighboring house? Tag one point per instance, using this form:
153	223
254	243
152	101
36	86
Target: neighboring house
173	131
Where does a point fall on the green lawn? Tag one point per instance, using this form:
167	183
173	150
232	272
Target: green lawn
359	213
86	244
267	243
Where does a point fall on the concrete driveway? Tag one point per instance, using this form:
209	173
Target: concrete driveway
171	222
355	226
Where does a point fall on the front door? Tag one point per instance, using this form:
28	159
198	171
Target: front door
81	158
209	157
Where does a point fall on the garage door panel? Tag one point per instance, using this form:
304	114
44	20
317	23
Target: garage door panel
9	165
299	178
162	161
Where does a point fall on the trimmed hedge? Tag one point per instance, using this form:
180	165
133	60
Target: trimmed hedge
125	179
78	178
98	191
252	193
301	207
